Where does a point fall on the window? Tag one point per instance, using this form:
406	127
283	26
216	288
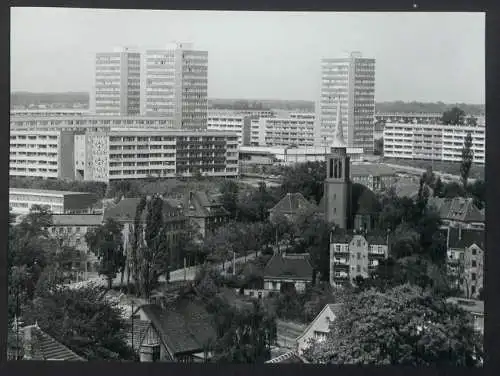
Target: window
358	268
474	251
358	243
474	263
473	290
473	276
359	255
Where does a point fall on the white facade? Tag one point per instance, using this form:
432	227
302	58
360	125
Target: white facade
295	130
110	154
48	112
45	154
438	142
117	83
175	85
351	81
413	117
230	122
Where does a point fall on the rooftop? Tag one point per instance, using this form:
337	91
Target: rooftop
77	219
292	203
285	266
45	192
464	238
457	209
126	208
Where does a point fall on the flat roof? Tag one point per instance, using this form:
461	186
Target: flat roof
176	132
77	219
46	192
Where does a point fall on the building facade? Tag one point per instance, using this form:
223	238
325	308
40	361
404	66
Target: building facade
296	130
411	117
230	122
350	81
21	201
353	255
117	83
175	85
433	141
118	154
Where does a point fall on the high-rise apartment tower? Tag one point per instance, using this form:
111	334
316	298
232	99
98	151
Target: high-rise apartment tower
175	85
352	81
117	83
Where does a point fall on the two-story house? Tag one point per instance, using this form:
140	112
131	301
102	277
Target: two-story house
354	254
287	270
465	259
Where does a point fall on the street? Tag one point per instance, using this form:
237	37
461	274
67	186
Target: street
175	275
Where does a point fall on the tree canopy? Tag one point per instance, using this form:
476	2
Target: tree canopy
403	326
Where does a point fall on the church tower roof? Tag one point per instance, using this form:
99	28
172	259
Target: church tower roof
338	135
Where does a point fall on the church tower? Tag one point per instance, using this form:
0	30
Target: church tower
338	183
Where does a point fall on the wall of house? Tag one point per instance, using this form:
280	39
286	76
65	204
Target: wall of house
473	272
321	324
358	260
268	284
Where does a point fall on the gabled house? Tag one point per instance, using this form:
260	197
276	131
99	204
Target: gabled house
318	329
38	345
465	259
459	212
287	270
181	331
291	207
205	211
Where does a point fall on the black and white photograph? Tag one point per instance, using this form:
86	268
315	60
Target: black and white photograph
246	187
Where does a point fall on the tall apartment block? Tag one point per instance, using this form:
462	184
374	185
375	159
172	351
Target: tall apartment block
350	80
117	83
175	85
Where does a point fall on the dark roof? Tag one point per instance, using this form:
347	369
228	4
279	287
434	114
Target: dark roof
125	210
77	219
464	238
47	348
140	327
457	209
184	326
200	204
343	236
294	266
292	203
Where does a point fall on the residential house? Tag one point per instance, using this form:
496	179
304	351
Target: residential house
124	212
70	229
180	331
204	211
475	308
287	270
38	345
355	254
459	212
291	207
319	328
465	259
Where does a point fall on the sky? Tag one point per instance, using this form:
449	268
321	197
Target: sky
260	55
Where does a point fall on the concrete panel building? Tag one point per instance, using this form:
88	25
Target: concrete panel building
350	81
175	85
117	83
229	121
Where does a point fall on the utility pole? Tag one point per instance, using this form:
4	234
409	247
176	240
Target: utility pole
185	270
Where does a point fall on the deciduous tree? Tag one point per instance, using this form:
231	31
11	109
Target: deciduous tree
467	158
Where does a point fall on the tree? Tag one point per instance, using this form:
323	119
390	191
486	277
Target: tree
306	178
454	116
83	320
452	190
403	326
478	192
230	191
244	335
106	243
467	158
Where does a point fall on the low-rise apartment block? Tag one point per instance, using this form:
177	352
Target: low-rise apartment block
21	200
229	121
296	129
353	255
433	141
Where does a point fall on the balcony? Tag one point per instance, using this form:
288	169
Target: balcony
341	261
341	275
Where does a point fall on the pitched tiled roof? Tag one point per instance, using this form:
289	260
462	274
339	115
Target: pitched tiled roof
185	326
464	238
125	210
292	203
45	347
140	327
375	238
457	209
77	219
343	236
295	266
200	204
339	235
